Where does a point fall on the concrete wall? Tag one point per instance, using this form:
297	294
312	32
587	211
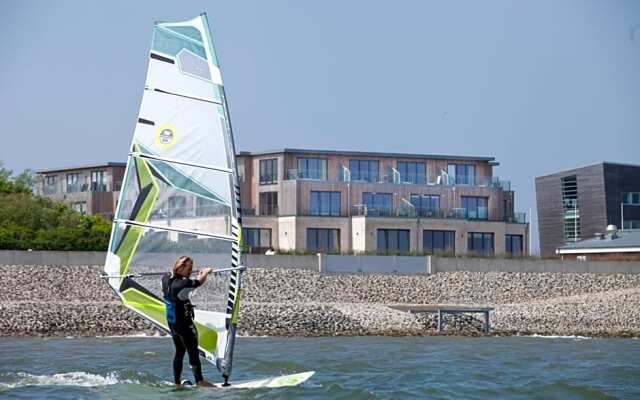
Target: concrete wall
353	264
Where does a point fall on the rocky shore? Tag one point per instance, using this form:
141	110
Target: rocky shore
74	301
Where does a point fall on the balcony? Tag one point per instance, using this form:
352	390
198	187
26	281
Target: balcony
343	175
479	214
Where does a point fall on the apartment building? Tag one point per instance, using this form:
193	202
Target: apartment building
578	204
366	202
90	189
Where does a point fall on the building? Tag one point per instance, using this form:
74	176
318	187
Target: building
576	204
612	245
90	189
364	202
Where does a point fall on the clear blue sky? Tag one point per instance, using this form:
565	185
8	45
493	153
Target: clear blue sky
541	85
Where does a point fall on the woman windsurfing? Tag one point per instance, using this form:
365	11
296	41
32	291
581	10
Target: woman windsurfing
176	287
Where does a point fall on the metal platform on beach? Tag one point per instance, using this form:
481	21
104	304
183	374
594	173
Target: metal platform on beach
441	310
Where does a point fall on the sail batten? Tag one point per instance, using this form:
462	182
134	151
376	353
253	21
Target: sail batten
180	193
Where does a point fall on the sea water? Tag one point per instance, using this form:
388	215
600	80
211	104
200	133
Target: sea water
347	368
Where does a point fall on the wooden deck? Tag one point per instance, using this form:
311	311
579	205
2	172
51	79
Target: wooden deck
445	309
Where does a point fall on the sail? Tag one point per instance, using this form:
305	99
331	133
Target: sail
180	194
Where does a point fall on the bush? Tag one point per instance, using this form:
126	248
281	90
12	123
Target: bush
33	222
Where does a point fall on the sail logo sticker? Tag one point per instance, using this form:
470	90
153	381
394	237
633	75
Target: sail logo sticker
166	136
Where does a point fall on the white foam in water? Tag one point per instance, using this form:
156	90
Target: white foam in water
136	335
79	378
561	337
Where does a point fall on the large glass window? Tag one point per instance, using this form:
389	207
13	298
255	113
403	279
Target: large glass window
269	203
324	203
513	245
439	242
378	203
258	239
269	171
207	208
631	224
475	207
480	243
412	172
364	170
426	205
177	207
631	197
98	182
323	240
312	168
462	174
50	184
393	241
72	183
80	206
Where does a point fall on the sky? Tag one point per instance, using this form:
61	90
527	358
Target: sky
541	86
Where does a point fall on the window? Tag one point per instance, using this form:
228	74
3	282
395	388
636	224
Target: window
426	205
364	170
439	242
462	174
324	203
378	203
631	224
80	207
50	184
412	172
98	183
269	171
240	169
475	207
258	239
312	168
631	197
393	241
177	207
480	243
208	208
323	240
570	210
513	245
269	203
72	183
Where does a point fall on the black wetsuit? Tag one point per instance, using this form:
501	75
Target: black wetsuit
175	289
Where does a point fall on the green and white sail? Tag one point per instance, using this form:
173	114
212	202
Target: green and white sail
180	194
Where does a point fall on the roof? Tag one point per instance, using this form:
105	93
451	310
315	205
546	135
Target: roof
85	166
573	170
625	240
368	154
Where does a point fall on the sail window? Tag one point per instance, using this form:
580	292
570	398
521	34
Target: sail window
193	65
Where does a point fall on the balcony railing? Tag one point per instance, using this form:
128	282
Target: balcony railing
480	214
392	176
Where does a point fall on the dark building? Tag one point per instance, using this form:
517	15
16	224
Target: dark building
576	204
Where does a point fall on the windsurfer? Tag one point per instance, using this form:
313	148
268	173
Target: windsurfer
176	286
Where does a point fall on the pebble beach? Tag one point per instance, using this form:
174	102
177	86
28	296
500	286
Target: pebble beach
35	301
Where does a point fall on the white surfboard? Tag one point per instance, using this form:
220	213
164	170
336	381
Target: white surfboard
273	382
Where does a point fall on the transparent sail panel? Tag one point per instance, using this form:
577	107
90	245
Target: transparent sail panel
183	129
142	250
178	196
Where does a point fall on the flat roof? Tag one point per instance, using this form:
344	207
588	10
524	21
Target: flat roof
625	239
565	171
367	154
84	166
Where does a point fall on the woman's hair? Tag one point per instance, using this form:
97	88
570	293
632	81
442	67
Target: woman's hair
181	262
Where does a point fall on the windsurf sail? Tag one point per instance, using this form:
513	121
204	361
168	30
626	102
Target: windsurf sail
180	193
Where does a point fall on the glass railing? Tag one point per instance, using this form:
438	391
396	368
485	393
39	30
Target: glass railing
312	174
344	175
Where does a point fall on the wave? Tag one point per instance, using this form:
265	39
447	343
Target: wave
576	337
136	335
78	378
